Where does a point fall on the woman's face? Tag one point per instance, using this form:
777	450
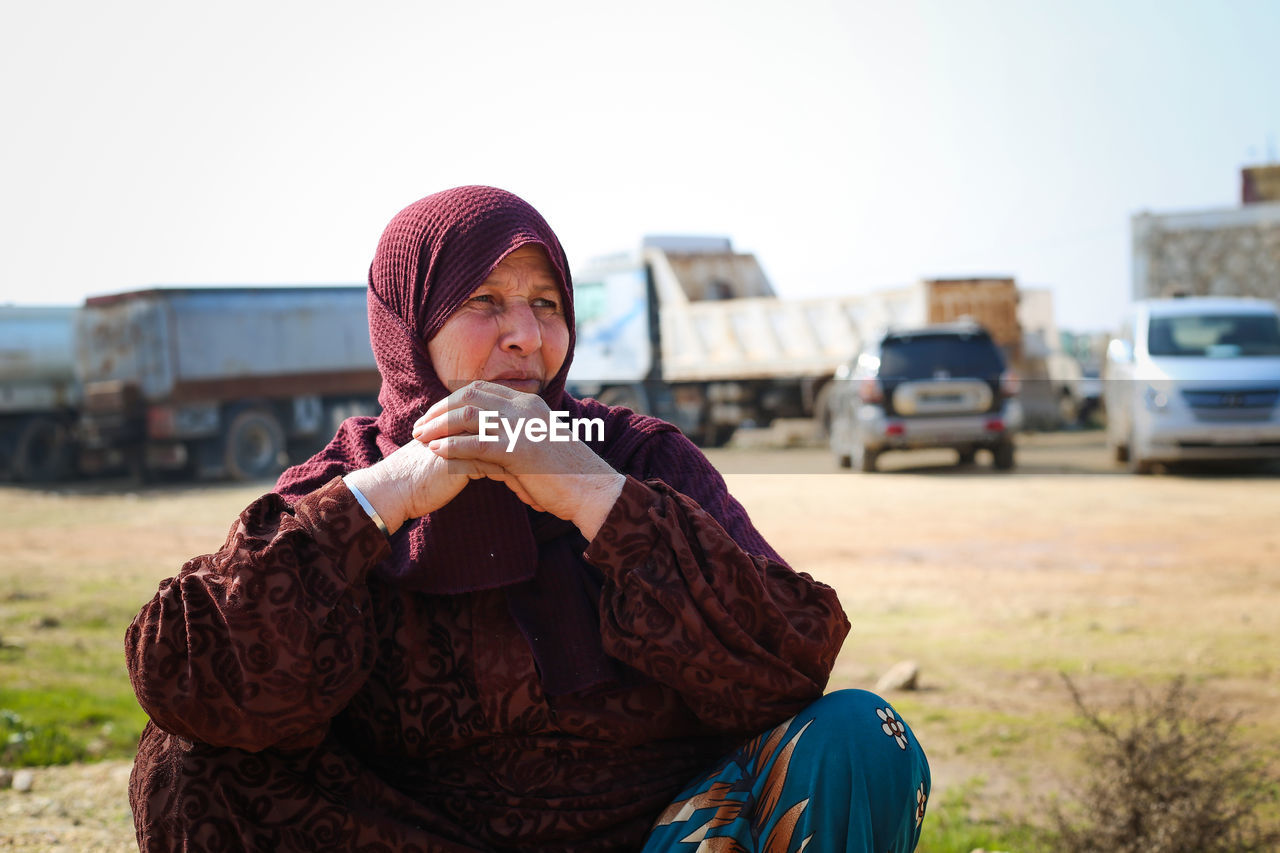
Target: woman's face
511	330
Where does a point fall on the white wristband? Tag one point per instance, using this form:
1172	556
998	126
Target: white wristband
367	507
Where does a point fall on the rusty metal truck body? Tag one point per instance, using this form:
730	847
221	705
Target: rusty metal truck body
229	382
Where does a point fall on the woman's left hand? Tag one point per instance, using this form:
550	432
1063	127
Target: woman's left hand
513	431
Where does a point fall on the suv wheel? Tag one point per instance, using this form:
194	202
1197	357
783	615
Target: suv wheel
1002	456
1138	464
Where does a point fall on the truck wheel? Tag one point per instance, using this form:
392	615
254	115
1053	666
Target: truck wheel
1068	408
715	435
254	445
630	396
43	451
822	411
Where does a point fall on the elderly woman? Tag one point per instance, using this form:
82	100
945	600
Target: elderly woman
426	640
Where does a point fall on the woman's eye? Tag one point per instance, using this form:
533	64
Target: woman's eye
483	298
546	303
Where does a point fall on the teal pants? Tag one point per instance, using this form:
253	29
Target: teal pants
846	773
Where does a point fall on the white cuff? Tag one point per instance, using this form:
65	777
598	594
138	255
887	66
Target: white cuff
367	507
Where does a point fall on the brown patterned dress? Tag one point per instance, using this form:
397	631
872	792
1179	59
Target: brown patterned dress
301	702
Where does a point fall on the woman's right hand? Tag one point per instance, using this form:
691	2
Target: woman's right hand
414	481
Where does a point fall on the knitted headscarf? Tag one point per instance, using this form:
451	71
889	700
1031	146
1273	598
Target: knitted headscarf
430	259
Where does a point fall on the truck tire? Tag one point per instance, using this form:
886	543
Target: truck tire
1068	409
822	411
254	445
715	435
632	397
43	452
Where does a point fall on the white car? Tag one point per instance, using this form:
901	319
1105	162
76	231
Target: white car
1195	378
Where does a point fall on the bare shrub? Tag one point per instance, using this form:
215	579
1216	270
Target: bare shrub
1170	774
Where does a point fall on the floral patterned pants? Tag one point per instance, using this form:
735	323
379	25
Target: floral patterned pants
844	774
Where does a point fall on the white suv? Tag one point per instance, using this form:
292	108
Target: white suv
1196	378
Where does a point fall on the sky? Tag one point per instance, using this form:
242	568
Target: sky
852	146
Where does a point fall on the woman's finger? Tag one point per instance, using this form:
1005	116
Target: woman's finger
469	447
480	394
460	421
478	468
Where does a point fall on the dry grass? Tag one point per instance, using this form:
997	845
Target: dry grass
1170	774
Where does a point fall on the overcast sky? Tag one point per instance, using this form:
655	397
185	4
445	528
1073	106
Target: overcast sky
851	145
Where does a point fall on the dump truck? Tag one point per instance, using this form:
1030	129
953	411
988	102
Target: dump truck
229	382
690	330
39	394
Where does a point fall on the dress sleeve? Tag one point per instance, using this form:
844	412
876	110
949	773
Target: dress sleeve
263	642
700	602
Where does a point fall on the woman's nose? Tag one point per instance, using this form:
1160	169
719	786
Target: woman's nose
520	329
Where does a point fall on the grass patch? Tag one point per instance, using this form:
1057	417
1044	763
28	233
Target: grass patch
950	825
66	697
73	578
26	744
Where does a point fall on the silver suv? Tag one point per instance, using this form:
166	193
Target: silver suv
935	386
1196	378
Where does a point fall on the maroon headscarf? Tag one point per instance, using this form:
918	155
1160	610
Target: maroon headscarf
431	257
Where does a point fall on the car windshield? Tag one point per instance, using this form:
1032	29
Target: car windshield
930	356
1214	335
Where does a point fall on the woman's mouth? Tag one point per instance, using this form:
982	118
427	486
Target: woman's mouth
520	382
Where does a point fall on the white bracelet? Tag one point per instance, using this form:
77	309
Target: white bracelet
368	507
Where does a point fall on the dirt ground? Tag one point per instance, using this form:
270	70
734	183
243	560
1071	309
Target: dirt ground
994	583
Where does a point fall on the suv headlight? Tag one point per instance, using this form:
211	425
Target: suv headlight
1156	398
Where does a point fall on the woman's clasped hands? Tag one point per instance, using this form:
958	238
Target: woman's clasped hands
487	430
